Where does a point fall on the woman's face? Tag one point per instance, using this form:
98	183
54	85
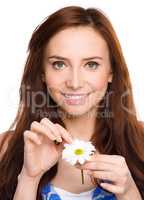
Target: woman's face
77	69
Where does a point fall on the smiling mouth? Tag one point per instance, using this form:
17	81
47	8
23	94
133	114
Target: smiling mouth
75	99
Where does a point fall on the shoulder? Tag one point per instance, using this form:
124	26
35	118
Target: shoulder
142	123
4	139
7	134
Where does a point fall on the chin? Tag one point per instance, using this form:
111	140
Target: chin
76	112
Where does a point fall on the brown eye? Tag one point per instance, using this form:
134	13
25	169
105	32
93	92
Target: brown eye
93	65
58	64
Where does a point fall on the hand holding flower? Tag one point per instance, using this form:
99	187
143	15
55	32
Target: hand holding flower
114	174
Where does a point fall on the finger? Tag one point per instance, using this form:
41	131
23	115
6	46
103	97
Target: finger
113	159
29	135
49	125
112	188
39	128
65	134
105	175
98	166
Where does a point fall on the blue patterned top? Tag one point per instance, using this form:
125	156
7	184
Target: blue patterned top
49	193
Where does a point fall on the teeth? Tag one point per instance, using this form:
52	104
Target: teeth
74	97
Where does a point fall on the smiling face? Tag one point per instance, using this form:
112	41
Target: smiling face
77	69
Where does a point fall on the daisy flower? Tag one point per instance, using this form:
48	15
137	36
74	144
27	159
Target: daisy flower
78	152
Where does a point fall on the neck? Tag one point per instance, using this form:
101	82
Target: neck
82	126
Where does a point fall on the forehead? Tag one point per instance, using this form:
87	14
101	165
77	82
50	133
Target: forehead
80	41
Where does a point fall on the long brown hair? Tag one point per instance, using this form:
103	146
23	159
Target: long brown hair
118	130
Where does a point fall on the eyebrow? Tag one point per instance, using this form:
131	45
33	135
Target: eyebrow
63	58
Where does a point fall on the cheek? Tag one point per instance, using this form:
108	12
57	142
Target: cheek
99	85
99	82
52	82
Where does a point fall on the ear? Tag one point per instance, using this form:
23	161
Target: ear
43	77
110	77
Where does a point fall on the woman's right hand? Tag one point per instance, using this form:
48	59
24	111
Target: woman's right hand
40	151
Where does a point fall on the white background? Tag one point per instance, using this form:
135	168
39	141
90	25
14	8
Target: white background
18	19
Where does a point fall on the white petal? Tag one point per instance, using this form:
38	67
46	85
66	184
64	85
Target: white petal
87	157
73	161
66	145
81	160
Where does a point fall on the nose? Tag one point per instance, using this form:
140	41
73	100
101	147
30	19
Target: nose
74	80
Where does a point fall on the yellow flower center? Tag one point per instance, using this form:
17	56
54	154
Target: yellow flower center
79	151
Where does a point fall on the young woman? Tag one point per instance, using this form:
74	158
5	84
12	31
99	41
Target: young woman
75	85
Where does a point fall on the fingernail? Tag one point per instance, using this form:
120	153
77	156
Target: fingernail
89	172
71	140
39	141
59	139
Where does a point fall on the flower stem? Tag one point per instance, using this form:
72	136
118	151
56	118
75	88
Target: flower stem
82	176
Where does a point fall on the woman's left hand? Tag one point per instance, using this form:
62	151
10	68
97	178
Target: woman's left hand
114	170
